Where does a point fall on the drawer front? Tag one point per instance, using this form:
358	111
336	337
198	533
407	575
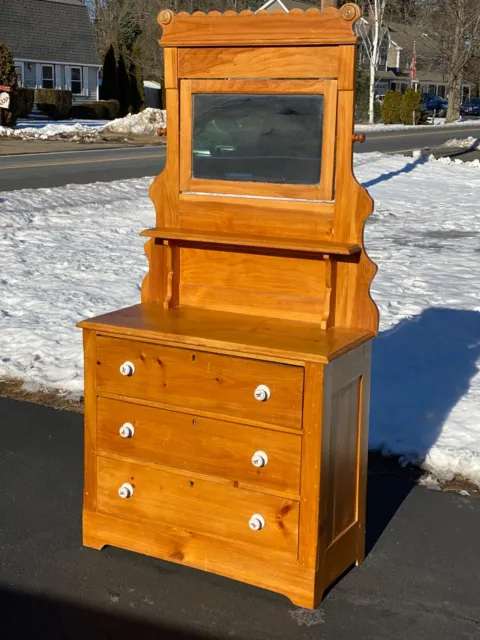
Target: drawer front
197	505
200	380
200	444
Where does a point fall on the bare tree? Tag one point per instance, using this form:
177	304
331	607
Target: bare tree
455	26
372	30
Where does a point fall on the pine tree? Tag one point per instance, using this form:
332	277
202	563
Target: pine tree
8	78
136	83
124	94
109	88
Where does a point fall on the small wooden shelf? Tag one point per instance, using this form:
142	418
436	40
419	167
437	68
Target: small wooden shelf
273	338
290	244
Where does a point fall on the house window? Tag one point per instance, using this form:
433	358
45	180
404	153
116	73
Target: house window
76	80
19	72
47	76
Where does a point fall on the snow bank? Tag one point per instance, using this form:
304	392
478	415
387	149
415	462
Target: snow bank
73	132
74	252
439	122
463	143
145	123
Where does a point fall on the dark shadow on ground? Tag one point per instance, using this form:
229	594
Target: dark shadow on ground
475	146
28	616
421	368
410	166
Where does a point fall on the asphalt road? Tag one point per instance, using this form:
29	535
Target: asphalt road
46	170
104	165
419	581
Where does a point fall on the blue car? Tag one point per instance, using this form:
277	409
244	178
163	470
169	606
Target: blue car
471	107
432	103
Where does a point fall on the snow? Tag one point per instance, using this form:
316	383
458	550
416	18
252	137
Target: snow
439	122
145	123
74	252
463	143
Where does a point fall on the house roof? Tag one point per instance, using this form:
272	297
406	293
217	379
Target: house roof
407	36
271	5
48	31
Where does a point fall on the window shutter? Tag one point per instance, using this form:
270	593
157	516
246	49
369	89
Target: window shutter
38	81
58	77
85	82
68	78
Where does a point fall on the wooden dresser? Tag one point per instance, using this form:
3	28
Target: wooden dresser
226	416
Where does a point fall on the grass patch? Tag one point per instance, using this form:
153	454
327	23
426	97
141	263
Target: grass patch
13	389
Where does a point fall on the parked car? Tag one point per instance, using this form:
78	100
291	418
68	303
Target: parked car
470	107
432	103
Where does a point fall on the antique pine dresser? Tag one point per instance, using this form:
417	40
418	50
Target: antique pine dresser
226	416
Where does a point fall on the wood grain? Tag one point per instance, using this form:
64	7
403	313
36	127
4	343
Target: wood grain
362	453
354	305
258	62
273	218
263	28
235	241
203	552
90	413
311	466
201	380
202	445
199	506
283	340
259	284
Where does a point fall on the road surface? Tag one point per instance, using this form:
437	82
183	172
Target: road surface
419	581
104	165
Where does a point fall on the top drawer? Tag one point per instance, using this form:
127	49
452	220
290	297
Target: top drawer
199	380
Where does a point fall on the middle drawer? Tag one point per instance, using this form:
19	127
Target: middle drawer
213	447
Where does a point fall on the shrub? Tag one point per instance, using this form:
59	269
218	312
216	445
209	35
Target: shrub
109	86
392	107
56	103
362	99
103	110
411	103
124	93
8	78
21	104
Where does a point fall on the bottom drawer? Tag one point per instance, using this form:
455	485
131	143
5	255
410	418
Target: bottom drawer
162	496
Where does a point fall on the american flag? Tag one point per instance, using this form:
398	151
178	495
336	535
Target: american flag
412	72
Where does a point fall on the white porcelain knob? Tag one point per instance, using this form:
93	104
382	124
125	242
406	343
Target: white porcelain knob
256	522
127	368
259	459
127	430
126	490
262	393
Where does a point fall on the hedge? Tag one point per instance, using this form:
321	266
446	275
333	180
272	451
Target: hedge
392	108
102	110
411	102
21	104
56	103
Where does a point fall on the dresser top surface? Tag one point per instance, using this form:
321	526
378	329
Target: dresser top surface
243	334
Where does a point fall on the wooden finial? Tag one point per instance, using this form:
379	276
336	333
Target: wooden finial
349	11
165	16
358	137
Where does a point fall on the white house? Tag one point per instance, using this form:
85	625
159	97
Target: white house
52	44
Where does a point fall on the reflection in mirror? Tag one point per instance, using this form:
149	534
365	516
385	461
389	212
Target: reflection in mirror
257	138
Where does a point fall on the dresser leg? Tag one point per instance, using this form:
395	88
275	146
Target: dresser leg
93	543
